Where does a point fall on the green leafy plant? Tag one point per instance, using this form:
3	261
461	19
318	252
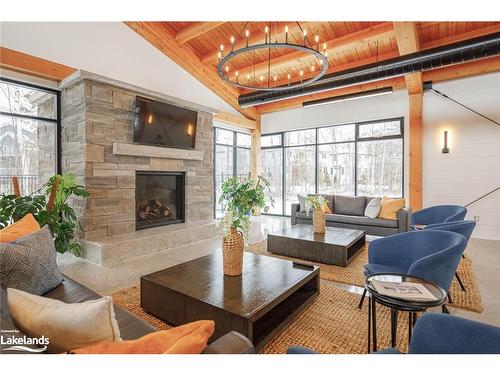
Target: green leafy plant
51	209
242	198
315	202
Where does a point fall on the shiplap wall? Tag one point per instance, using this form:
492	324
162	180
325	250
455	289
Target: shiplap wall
472	167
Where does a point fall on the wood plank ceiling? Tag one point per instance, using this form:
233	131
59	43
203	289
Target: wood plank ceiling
194	46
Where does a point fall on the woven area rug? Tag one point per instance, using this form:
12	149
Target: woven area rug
331	324
353	275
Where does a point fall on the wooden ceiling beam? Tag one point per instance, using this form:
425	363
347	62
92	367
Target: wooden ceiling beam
335	45
254	38
160	36
469	69
235	120
32	65
408	42
194	30
396	83
461	37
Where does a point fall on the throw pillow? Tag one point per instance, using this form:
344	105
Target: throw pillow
302	202
20	228
373	208
30	263
66	325
189	338
354	206
389	208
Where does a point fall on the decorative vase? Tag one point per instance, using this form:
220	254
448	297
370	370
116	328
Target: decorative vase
232	252
318	221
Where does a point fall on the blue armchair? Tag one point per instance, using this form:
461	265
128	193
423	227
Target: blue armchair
438	214
444	334
465	228
432	255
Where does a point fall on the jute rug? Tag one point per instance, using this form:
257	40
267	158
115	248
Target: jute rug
353	275
331	324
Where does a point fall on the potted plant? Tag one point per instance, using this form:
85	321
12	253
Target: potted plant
52	209
317	204
241	198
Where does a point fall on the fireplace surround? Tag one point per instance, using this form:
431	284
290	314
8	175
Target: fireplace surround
159	198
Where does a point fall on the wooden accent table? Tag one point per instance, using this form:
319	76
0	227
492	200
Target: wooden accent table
336	246
258	304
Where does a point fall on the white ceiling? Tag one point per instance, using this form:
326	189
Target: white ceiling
110	49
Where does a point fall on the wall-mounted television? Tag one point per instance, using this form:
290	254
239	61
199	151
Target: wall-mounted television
165	125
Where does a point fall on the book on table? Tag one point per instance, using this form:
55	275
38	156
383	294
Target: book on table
403	290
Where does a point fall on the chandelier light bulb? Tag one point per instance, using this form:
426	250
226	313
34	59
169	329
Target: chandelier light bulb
236	73
305	33
286	34
301	73
266	29
286	29
289	76
247	34
219	55
248	77
227	69
261	78
316	38
275	78
232	40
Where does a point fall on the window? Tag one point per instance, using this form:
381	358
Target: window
29	123
272	170
232	159
352	159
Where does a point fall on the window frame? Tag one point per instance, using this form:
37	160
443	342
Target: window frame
356	140
234	146
56	120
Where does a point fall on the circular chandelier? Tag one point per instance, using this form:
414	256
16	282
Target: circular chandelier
273	81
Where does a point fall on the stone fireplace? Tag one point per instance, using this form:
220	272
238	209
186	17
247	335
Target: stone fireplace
159	198
96	146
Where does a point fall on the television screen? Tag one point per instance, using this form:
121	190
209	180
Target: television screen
162	124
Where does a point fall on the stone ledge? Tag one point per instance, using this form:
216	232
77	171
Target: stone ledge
131	149
120	248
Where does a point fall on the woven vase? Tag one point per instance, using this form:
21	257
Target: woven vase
318	221
232	251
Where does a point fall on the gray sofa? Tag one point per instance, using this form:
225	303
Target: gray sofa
348	212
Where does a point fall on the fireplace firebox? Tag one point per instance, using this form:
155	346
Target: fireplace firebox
159	198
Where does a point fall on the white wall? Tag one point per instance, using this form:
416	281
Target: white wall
472	167
110	49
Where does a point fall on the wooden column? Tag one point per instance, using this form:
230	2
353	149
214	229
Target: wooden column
256	153
416	149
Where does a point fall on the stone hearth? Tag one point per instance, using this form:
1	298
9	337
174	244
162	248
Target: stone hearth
96	146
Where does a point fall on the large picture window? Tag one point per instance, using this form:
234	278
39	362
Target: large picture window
29	123
232	159
350	159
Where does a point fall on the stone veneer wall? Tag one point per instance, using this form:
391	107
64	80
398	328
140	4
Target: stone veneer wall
94	116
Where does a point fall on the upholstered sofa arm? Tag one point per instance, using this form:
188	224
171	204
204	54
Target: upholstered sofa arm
404	219
295	209
231	343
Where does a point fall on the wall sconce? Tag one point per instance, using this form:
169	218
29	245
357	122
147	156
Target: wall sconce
189	129
150	119
445	148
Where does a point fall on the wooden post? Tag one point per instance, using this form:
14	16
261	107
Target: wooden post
256	154
416	149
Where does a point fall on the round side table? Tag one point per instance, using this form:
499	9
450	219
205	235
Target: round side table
412	306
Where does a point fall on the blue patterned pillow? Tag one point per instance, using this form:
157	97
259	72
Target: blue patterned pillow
30	263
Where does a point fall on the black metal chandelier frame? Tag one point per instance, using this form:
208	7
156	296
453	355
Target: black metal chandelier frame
238	81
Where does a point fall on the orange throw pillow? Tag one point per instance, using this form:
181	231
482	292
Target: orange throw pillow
20	228
389	208
189	338
326	210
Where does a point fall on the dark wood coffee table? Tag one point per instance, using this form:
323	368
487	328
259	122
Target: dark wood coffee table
258	304
336	246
